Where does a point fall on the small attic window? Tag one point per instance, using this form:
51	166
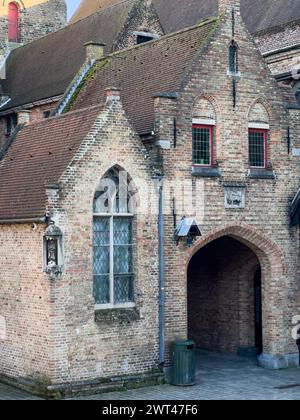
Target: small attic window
143	37
11	121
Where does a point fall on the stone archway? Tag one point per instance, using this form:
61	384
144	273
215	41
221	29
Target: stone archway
223	308
266	255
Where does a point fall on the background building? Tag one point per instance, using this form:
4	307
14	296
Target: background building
25	20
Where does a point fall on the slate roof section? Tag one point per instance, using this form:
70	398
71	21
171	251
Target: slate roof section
178	14
137	73
38	156
88	7
44	68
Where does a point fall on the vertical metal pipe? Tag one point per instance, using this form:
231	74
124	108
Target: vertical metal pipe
161	229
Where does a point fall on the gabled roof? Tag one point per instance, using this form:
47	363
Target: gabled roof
38	156
44	68
178	14
142	71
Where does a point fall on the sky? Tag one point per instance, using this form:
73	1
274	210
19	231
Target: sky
72	5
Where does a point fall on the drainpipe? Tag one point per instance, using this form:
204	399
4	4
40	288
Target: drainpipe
161	230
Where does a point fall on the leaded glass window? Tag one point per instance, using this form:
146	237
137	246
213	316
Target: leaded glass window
258	148
233	57
113	241
202	145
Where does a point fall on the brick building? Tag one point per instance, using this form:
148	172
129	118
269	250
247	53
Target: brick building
36	81
161	208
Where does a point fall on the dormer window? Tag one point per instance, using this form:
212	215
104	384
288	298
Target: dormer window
11	123
13	22
143	37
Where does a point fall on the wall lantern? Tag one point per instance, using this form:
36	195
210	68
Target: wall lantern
187	229
53	250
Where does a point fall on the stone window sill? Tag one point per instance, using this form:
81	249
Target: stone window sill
120	315
260	173
206	172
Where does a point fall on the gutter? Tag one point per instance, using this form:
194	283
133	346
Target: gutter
161	253
285	76
23	221
281	50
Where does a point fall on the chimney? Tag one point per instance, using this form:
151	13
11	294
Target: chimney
113	94
94	50
24	117
226	6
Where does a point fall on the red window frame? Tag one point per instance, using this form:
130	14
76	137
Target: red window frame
265	134
13	21
211	134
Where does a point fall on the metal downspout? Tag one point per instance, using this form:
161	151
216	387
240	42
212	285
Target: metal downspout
161	229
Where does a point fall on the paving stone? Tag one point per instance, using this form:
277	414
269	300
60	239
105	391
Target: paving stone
219	377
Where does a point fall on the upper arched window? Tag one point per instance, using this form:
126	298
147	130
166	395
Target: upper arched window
233	57
113	240
13	22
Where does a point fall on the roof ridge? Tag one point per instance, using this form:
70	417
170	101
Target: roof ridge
67	114
100	11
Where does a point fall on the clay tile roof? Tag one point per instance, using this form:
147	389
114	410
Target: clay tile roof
141	72
38	156
44	68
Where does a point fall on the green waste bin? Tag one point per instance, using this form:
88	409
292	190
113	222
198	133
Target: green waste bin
184	363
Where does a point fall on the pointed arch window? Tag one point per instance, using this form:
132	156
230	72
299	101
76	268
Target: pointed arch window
233	57
13	22
113	241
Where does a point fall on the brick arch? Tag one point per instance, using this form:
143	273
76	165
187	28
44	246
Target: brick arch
265	103
208	98
274	288
268	253
117	167
20	3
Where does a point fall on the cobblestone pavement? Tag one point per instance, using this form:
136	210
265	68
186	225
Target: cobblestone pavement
218	378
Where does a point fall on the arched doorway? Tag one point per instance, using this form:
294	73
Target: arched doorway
224	293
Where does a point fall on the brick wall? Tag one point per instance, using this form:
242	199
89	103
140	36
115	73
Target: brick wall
24	304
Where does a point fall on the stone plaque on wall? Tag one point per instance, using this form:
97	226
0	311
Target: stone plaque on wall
235	197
